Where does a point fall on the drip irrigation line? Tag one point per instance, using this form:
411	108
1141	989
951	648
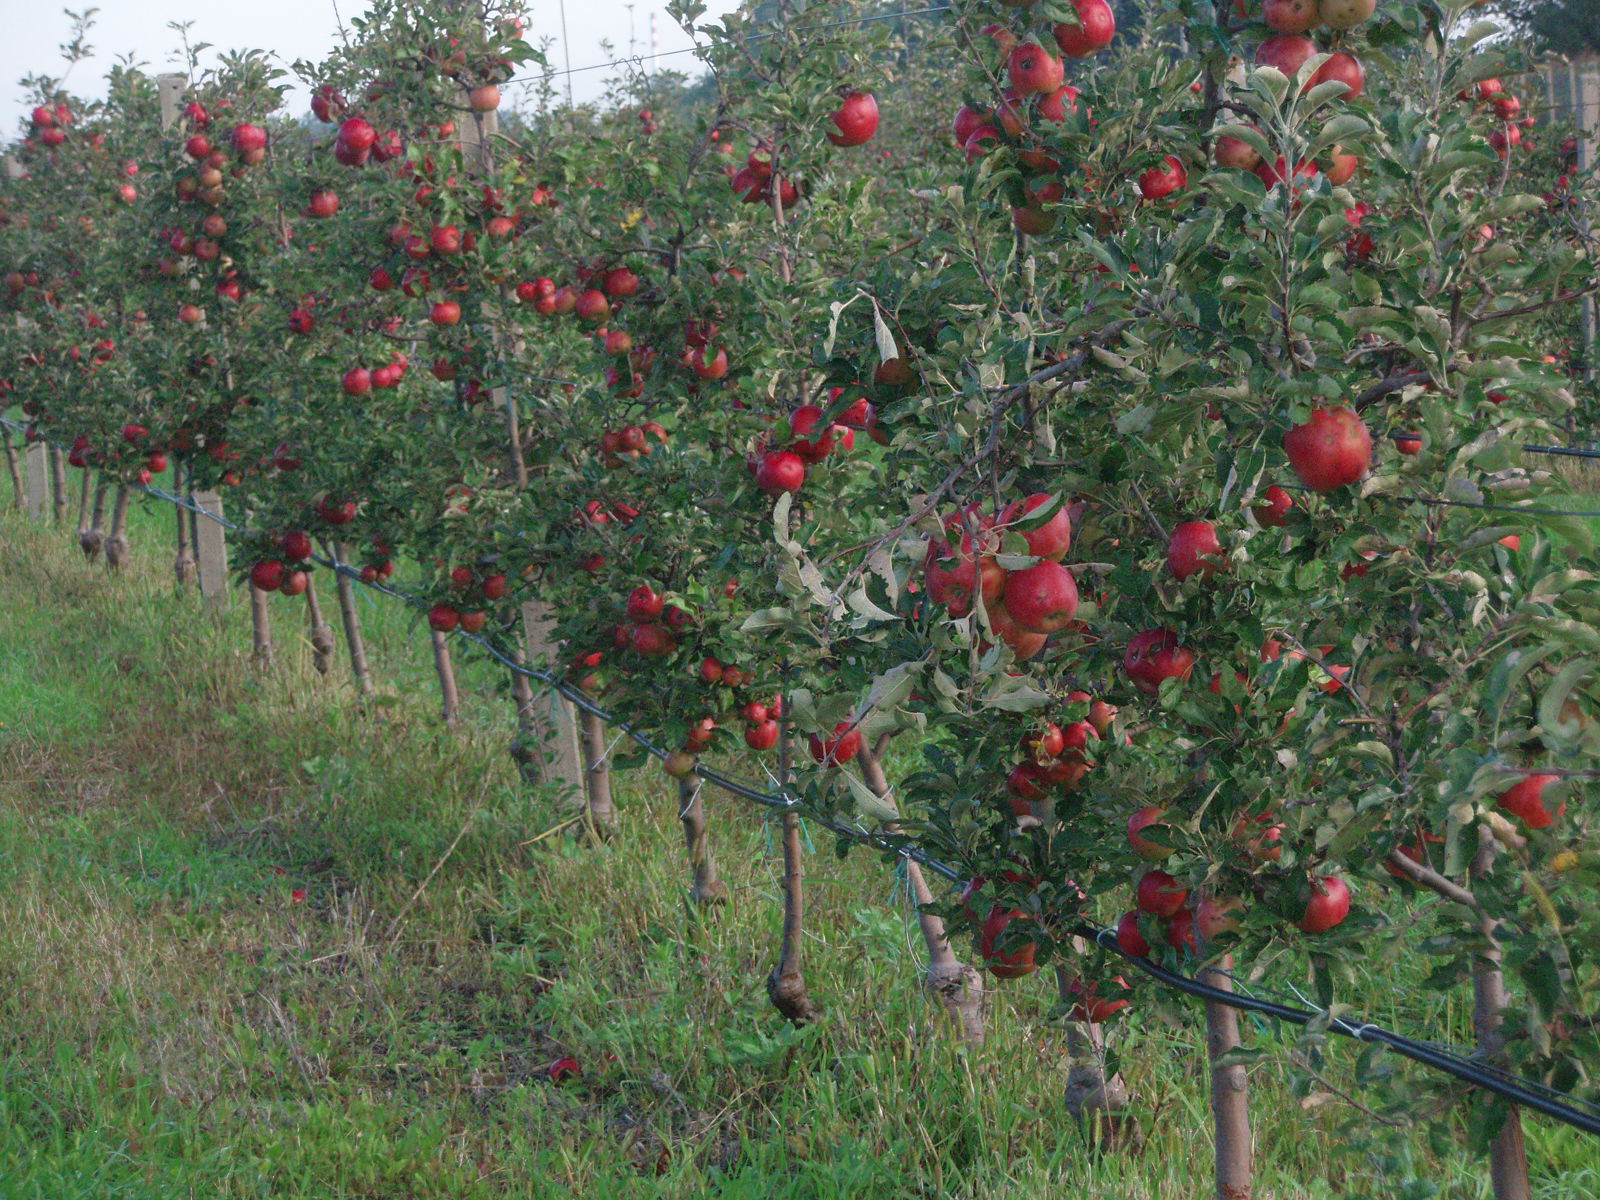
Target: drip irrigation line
1479	1075
1527	1093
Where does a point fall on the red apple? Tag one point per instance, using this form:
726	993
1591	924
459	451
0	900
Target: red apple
762	736
297	546
1160	182
856	120
1275	511
1287	52
1130	940
1004	964
268	574
442	618
1195	550
1147	848
1330	450
1160	895
1154	656
1525	801
1096	26
1042	598
1050	540
644	604
1329	904
1341	68
1290	16
841	748
780	471
1033	70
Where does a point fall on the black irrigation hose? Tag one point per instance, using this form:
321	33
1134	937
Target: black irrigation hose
1518	1091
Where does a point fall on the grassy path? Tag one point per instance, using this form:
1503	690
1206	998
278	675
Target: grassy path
223	973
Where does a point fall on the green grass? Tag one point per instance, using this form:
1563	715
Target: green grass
173	1023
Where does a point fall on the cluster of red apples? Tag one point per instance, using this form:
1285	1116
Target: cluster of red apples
815	436
1037	92
1024	606
447	616
289	571
855	123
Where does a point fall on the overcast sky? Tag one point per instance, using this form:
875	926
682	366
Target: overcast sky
291	29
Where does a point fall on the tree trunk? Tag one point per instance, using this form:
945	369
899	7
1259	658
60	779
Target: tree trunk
14	468
597	778
1508	1155
93	540
183	561
321	636
352	622
1230	1097
260	628
525	746
956	986
786	986
708	887
118	552
85	491
58	484
1095	1102
450	707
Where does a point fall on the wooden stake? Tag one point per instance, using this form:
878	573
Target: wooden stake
37	460
551	741
169	91
211	549
14	468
